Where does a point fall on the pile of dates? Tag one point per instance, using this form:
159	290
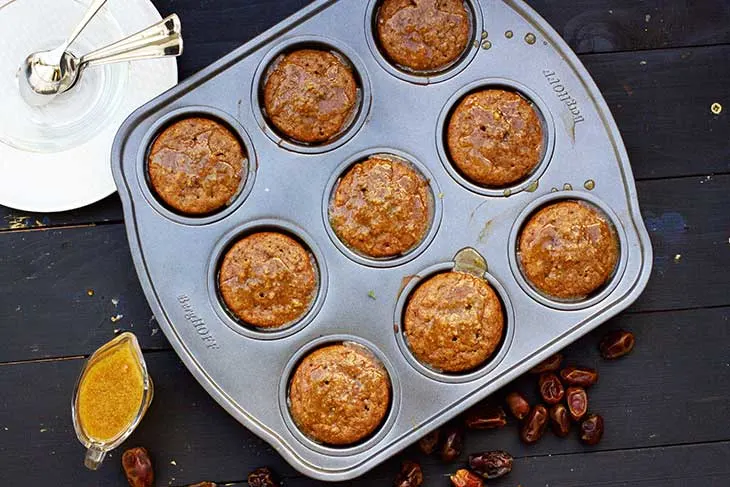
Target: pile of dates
137	466
562	390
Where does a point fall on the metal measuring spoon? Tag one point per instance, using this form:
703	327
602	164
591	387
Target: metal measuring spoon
159	40
40	73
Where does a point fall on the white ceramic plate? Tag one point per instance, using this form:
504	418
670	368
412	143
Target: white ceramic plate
46	172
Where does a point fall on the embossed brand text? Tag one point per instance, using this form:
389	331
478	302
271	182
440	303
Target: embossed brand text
564	95
197	323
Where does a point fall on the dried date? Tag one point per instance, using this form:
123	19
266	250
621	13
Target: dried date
551	389
465	478
453	443
579	376
518	405
491	464
616	344
559	420
138	467
577	400
591	429
262	477
485	417
428	443
410	475
550	364
534	425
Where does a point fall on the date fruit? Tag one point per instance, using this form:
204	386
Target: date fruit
579	376
551	389
591	429
559	420
138	467
534	425
485	417
465	478
518	405
577	400
428	443
410	475
616	344
491	464
550	364
453	443
262	477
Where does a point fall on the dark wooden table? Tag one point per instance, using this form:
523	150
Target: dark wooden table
67	284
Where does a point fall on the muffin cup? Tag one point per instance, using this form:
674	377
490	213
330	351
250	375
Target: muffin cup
364	444
249	167
426	77
543	114
228	317
464	261
344	54
436	209
550	301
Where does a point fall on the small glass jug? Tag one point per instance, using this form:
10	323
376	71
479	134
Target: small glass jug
112	395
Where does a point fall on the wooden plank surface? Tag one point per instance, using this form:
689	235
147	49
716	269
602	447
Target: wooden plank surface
648	400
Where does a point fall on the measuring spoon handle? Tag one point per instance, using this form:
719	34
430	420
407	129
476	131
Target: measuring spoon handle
159	40
90	12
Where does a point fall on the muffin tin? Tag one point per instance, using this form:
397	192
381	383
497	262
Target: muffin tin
288	188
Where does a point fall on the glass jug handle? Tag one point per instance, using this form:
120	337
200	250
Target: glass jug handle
94	457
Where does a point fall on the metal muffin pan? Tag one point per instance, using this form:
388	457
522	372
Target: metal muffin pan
361	300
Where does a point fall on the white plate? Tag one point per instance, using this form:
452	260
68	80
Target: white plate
45	178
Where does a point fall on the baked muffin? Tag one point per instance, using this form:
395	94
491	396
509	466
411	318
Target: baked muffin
454	322
568	250
310	95
196	165
268	279
339	394
381	207
495	137
423	35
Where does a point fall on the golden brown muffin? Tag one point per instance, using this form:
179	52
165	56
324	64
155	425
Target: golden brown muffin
495	137
381	208
339	394
568	250
196	165
423	35
454	322
268	279
310	95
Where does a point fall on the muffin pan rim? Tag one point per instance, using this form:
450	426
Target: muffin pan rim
346	450
606	289
225	242
341	50
249	170
436	213
543	113
425	78
444	377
